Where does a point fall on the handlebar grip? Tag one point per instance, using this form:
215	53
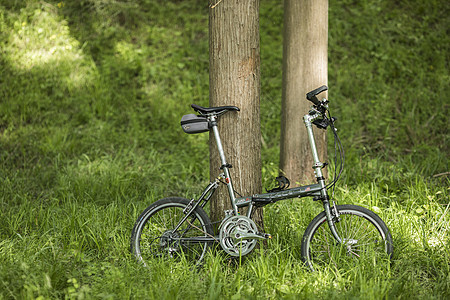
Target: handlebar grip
311	96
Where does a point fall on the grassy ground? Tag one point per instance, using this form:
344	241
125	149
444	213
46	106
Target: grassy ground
91	93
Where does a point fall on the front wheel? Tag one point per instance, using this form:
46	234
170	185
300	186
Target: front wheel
155	234
361	230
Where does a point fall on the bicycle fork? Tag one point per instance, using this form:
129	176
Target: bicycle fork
318	165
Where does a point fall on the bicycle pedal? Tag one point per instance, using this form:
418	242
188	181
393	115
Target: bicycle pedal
265	235
283	183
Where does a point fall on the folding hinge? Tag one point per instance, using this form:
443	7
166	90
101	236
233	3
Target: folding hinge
225	166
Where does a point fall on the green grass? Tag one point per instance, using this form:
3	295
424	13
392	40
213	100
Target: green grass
91	93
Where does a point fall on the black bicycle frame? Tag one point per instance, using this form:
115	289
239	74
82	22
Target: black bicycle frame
318	190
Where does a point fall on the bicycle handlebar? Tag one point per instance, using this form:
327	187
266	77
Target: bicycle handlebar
311	96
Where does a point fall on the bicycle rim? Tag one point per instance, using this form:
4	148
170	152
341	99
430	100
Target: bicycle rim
364	236
155	238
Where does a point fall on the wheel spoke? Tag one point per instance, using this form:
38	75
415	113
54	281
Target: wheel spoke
361	231
153	235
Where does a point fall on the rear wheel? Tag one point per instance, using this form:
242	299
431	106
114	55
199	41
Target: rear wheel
362	232
153	235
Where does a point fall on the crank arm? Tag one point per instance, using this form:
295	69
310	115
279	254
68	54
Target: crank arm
242	235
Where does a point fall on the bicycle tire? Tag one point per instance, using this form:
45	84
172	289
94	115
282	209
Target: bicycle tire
153	235
361	231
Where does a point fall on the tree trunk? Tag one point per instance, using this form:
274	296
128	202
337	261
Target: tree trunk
304	69
234	79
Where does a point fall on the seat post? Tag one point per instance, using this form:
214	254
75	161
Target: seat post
225	166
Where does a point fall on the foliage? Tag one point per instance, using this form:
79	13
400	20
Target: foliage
91	93
390	69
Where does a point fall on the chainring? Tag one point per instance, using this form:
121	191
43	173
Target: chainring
230	236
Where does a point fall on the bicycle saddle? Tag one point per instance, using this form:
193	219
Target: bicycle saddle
208	110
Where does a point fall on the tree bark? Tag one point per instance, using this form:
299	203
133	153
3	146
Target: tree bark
304	69
234	78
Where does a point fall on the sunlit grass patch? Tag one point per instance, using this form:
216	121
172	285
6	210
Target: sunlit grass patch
42	38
